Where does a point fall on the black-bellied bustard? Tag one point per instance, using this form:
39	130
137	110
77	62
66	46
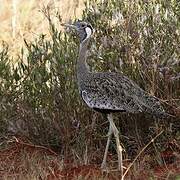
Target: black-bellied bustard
108	92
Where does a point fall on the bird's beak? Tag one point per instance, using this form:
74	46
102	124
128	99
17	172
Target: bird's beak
71	26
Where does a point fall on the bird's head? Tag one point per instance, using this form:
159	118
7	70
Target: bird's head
84	30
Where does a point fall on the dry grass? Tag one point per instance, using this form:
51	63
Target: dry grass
23	19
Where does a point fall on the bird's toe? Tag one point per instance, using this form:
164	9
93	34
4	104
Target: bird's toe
104	167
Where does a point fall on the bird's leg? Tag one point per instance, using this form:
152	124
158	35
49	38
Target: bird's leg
103	165
119	148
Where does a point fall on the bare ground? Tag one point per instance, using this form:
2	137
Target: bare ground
20	159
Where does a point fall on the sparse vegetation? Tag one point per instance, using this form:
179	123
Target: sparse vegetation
39	100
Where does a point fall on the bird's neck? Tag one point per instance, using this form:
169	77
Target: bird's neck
82	67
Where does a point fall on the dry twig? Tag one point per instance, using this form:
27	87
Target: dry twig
152	140
33	145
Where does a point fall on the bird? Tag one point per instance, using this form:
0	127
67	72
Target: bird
109	92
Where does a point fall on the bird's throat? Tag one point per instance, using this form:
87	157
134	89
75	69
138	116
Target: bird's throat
82	67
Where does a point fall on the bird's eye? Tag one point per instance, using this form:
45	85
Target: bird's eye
83	25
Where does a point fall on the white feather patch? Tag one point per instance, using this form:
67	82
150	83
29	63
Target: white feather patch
88	32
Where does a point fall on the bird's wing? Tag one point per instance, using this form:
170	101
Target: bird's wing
117	92
110	93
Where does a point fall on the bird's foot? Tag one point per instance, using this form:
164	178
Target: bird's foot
104	167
